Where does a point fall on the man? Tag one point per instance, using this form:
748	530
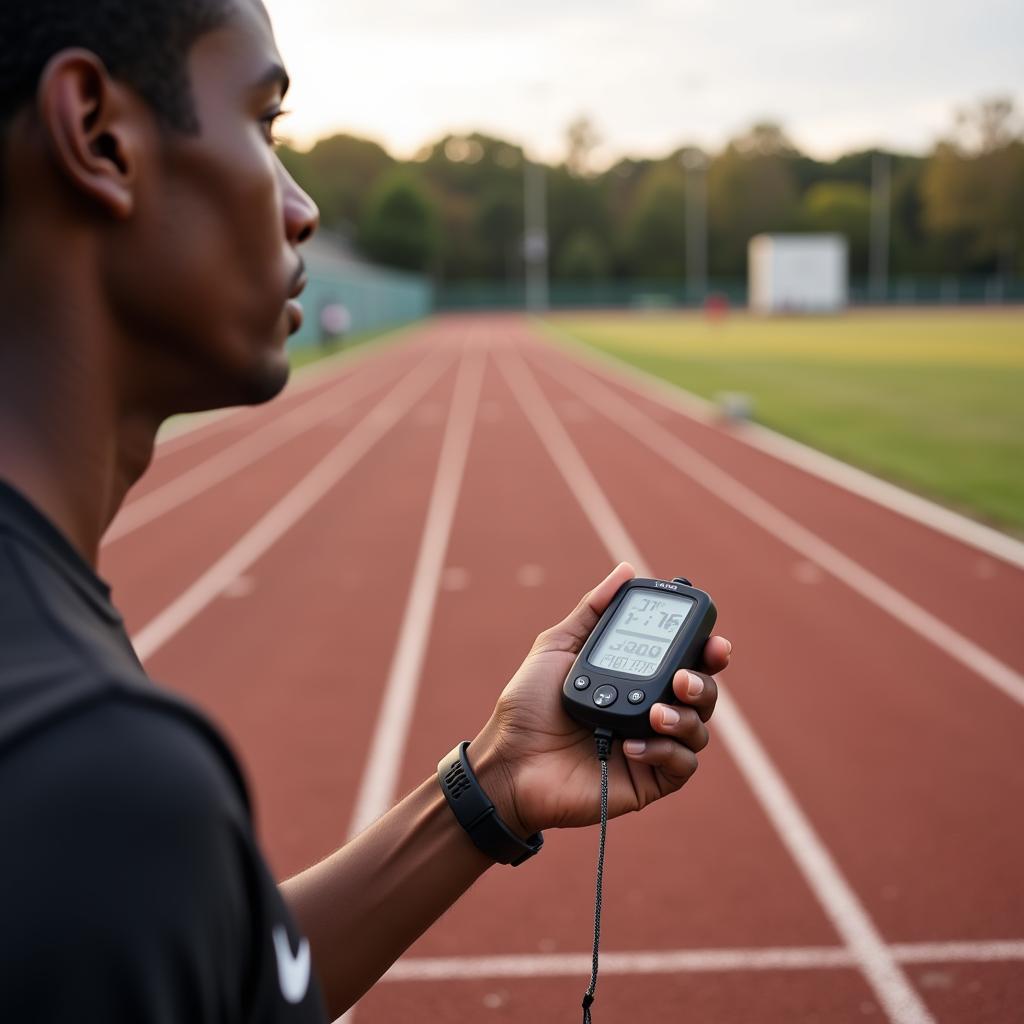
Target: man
148	264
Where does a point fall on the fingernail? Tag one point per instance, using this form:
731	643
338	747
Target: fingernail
695	686
669	716
729	642
634	746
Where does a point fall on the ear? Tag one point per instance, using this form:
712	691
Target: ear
91	123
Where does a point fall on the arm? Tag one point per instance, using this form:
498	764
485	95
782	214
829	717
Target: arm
370	900
366	903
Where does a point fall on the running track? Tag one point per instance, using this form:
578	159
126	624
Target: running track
347	577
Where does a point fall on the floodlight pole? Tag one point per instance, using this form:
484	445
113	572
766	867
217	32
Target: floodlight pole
695	163
881	199
535	235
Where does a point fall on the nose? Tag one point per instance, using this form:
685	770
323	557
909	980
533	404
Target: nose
301	216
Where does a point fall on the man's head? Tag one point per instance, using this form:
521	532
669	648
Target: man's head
138	168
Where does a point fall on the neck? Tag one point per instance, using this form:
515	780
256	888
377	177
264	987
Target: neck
70	441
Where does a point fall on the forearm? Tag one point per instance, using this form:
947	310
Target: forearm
363	906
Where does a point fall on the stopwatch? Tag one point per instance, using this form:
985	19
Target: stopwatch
650	630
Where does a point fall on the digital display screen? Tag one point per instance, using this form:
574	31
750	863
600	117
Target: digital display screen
641	631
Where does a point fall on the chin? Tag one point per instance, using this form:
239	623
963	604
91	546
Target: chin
267	381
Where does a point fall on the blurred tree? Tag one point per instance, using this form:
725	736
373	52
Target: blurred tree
582	258
574	205
581	138
499	229
399	227
845	207
959	210
464	174
655	231
338	172
973	190
910	250
751	188
764	138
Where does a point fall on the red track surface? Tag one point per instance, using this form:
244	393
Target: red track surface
906	763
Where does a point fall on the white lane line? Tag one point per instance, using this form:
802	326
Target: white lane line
384	760
186	429
245	451
782	958
738	496
810	460
992	950
289	510
836	896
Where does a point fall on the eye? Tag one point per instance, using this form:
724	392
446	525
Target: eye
268	121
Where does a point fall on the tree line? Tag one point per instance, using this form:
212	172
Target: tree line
455	210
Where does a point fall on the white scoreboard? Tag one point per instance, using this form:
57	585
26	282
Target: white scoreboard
797	273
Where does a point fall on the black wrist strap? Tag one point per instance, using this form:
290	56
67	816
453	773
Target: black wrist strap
477	815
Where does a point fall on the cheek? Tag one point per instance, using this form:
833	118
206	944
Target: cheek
207	260
238	240
250	205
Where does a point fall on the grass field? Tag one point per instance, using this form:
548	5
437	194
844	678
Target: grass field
931	400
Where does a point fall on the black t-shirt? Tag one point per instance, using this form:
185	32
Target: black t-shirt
132	887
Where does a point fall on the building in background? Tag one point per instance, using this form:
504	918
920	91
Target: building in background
797	273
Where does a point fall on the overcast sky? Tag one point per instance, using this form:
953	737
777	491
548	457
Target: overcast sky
650	74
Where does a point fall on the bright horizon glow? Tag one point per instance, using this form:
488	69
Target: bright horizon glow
837	76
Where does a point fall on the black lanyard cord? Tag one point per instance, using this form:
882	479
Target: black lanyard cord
604	746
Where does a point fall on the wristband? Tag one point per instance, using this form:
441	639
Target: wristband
477	815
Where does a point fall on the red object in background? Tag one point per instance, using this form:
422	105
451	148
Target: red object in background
716	306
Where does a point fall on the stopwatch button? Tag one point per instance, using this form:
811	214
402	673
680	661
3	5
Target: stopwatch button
581	682
605	695
682	579
635	696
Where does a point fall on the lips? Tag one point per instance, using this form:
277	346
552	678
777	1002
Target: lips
292	306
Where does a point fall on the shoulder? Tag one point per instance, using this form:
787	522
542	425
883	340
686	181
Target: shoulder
128	853
126	764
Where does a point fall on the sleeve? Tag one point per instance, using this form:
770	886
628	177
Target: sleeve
127	875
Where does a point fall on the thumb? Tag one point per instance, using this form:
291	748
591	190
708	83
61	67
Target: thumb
571	633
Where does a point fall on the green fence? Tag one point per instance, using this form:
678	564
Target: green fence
375	297
921	290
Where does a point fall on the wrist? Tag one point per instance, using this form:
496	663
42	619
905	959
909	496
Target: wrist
477	813
495	775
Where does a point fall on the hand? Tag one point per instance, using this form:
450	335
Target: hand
540	767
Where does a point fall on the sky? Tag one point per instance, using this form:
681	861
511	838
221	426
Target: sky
650	75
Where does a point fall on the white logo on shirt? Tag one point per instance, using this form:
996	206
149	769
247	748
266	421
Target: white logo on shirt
292	969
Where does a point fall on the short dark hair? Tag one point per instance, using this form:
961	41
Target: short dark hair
143	43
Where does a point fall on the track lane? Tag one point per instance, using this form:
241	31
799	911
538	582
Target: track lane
729	489
153	565
305	777
294	667
184	451
254	446
821	997
818	866
502	516
977	591
885	752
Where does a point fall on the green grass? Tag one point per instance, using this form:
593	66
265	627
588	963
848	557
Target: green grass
931	400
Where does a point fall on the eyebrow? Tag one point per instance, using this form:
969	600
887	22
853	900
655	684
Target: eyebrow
274	75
